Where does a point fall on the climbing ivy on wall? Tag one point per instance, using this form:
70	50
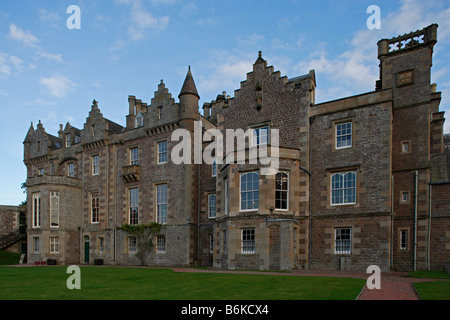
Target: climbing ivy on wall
144	236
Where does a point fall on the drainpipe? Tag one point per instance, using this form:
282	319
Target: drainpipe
416	195
115	205
311	121
429	227
198	215
392	222
310	222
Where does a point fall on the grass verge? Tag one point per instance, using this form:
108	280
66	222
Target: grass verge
439	290
436	290
109	283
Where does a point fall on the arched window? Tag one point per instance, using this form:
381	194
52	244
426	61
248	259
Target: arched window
343	188
249	191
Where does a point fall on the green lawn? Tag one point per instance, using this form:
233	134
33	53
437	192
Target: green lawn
436	290
439	290
429	274
105	283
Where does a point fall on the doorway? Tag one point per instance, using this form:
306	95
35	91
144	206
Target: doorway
86	249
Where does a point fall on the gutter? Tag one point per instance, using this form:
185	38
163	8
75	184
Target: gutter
429	228
416	195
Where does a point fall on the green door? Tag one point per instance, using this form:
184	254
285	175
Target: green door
86	251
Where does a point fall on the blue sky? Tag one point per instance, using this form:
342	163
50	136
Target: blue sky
124	47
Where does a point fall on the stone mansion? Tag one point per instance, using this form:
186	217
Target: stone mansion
361	181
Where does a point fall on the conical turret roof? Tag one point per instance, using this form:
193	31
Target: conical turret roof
189	85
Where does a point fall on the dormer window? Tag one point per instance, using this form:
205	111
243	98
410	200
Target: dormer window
67	140
139	120
93	130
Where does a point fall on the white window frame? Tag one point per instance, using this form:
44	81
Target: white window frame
343	190
338	127
54	212
282	190
67	140
256	135
36	210
36	245
248	241
161	244
101	244
214	168
212	206
95	165
132	244
71	170
161	203
134	156
247	191
54	245
342	246
133	206
227	195
162	152
95	208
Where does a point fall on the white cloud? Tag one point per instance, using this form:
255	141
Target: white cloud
356	70
25	37
58	85
203	22
10	64
141	20
50	56
156	2
224	75
48	16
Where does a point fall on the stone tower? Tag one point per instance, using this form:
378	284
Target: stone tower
405	69
189	99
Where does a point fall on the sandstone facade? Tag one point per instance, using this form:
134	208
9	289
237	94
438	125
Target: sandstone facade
362	180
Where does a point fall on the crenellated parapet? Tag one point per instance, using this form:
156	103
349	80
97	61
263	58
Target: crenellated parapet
426	36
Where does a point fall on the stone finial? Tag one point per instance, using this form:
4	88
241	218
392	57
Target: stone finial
260	58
